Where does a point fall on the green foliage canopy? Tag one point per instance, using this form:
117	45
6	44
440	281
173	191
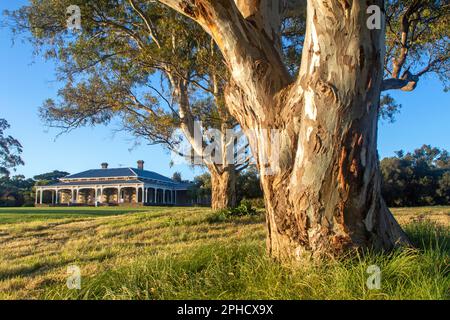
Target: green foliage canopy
418	178
10	150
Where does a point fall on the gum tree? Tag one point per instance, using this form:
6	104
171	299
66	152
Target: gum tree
10	150
324	195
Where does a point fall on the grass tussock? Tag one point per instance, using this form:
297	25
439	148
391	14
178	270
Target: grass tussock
171	253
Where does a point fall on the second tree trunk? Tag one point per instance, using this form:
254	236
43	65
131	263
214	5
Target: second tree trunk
223	188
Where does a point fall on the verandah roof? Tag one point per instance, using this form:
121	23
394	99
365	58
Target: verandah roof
94	183
123	183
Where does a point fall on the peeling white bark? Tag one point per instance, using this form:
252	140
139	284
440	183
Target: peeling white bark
310	106
315	61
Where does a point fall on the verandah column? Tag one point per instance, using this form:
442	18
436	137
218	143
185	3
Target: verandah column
137	195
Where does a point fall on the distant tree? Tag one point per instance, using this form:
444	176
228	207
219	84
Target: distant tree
443	190
201	189
248	184
10	150
50	177
417	178
177	177
16	191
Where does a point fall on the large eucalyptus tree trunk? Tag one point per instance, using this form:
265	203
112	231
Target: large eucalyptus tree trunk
322	192
322	181
324	197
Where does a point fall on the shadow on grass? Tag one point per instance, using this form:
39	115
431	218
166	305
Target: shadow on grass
40	267
243	270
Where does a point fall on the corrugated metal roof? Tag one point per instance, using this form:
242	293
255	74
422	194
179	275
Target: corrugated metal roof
103	173
151	175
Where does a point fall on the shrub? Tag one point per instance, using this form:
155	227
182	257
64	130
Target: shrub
256	202
244	209
218	216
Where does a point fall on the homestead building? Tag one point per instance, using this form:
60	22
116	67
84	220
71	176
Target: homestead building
114	186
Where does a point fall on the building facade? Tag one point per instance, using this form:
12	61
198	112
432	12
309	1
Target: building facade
115	186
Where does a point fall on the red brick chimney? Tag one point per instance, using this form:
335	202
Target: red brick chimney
140	164
104	165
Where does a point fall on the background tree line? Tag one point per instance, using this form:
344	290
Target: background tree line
18	191
418	178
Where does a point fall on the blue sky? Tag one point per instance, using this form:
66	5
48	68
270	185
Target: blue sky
26	81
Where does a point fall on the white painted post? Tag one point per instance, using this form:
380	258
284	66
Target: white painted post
156	195
36	197
144	194
56	195
41	195
96	197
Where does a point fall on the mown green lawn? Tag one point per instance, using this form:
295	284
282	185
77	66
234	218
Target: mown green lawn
15	215
179	253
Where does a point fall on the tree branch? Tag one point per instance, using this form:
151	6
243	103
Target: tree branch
242	43
407	83
148	23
